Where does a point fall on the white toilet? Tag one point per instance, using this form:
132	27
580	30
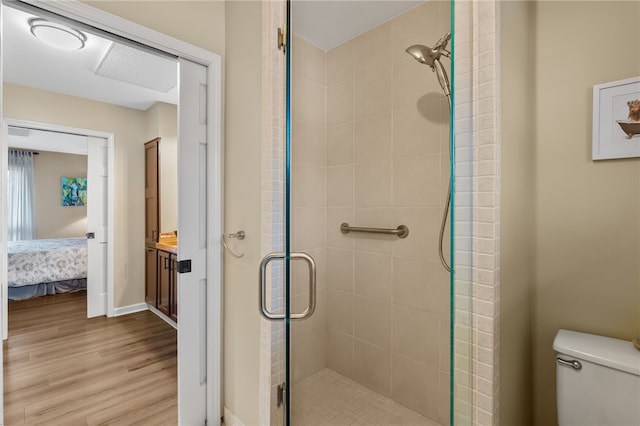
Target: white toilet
598	380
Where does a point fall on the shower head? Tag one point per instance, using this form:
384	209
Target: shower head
423	54
431	56
427	55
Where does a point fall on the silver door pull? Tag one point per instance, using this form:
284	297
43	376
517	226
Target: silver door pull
262	299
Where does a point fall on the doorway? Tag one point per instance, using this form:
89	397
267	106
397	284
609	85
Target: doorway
98	223
200	281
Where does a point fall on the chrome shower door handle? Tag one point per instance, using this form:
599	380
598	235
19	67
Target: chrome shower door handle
264	310
263	287
312	286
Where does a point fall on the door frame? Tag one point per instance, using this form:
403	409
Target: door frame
6	123
99	19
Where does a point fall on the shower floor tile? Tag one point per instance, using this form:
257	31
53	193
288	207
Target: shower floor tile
330	399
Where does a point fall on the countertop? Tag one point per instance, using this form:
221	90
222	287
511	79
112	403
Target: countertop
168	243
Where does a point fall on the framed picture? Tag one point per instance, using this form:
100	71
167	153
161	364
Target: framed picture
616	119
74	191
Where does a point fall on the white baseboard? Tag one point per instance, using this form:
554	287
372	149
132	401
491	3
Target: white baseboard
130	309
162	316
230	419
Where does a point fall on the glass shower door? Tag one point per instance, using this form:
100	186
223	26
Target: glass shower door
367	177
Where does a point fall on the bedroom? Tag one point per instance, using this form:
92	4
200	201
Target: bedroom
48	248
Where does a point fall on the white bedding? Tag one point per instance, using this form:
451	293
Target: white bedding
45	261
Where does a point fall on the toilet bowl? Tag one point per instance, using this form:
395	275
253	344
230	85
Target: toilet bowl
597	379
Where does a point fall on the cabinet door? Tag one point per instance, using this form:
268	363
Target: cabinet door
151	192
164	281
151	276
174	287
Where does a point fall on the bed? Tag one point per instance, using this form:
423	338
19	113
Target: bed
42	267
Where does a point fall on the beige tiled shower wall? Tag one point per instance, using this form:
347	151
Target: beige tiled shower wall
371	149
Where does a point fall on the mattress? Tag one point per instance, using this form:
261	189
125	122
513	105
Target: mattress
45	261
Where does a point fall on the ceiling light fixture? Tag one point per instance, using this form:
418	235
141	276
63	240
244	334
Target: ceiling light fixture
57	35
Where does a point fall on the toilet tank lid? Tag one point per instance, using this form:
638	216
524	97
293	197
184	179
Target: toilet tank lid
613	353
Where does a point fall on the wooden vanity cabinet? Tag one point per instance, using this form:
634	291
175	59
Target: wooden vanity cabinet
151	276
152	191
160	265
164	282
167	284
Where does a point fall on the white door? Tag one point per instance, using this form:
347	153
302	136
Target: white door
97	173
192	247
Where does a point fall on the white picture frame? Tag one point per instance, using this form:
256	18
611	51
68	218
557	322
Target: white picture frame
615	133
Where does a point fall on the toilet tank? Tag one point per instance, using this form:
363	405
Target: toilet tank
597	379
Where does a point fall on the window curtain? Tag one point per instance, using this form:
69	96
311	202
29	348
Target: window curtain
21	213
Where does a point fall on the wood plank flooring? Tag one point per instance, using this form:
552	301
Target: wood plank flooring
61	368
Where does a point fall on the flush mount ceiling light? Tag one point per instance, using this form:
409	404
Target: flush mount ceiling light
57	35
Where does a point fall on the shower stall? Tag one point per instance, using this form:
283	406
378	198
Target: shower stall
366	330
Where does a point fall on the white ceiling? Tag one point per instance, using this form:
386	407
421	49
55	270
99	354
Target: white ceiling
30	62
329	23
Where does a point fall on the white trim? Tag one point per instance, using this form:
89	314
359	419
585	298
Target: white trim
81	12
130	309
215	262
4	165
230	419
162	316
6	122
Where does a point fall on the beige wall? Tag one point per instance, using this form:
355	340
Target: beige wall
162	122
587	233
201	23
52	219
585	213
516	273
243	208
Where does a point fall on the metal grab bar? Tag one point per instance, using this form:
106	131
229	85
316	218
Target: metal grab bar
401	231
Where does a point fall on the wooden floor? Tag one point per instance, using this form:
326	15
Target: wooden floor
61	368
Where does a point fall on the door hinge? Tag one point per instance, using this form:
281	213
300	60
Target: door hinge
280	395
184	266
281	40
